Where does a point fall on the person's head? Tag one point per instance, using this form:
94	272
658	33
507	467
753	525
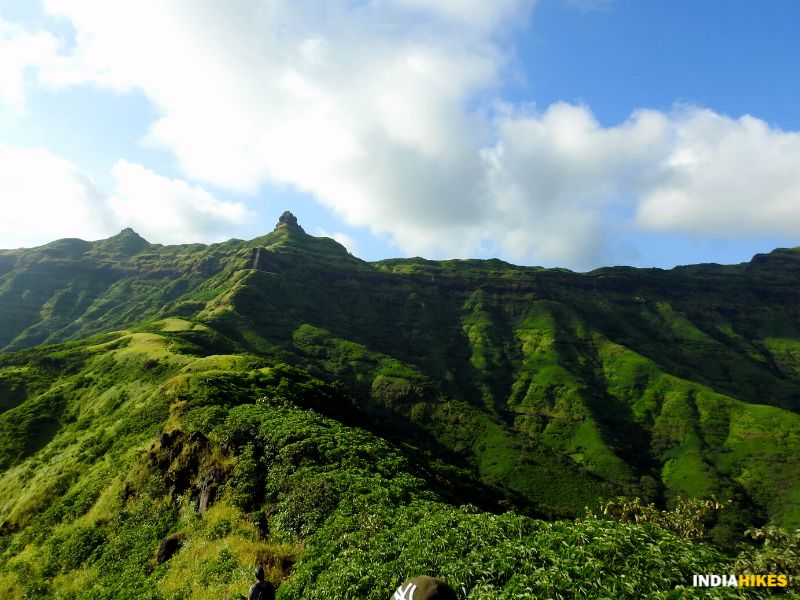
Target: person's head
424	588
259	573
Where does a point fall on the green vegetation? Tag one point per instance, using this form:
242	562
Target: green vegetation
348	424
333	511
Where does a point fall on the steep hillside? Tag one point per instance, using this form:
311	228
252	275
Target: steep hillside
70	288
472	382
560	387
137	465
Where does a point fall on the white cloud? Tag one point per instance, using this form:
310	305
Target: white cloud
725	177
20	52
690	171
356	103
370	107
345	240
44	197
552	175
170	210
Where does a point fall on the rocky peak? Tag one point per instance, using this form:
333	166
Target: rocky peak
127	234
287	219
126	243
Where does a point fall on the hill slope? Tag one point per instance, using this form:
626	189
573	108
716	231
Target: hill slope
479	382
137	466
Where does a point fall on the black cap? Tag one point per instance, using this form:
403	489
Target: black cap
424	588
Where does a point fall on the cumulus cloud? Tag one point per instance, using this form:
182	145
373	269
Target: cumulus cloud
21	52
45	197
345	240
552	176
725	177
378	109
690	171
350	103
170	210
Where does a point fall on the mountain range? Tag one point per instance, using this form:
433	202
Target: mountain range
275	388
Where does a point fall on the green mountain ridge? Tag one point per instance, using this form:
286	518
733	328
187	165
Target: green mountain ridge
538	390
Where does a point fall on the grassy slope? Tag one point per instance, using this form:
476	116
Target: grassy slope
69	289
510	365
146	419
558	388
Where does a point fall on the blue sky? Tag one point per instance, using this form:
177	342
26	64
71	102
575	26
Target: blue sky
732	56
576	133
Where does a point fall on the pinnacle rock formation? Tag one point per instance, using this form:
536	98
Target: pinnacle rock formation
288	219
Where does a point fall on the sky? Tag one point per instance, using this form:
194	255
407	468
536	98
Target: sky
570	133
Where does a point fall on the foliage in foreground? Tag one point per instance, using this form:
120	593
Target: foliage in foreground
171	474
341	503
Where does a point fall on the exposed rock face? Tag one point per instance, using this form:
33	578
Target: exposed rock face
208	489
168	547
123	245
288	219
181	459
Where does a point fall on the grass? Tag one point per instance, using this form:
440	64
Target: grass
331	510
349	406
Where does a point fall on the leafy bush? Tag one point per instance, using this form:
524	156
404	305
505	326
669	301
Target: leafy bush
220	569
493	556
306	504
776	551
246	484
689	519
77	547
364	514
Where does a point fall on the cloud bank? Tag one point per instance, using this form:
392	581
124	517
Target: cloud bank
20	53
386	111
46	197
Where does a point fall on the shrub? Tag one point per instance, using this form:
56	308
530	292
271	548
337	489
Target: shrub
79	545
689	519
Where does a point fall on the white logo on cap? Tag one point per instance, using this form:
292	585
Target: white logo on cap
405	594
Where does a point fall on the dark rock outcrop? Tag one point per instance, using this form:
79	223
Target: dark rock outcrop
168	547
287	218
182	459
208	489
